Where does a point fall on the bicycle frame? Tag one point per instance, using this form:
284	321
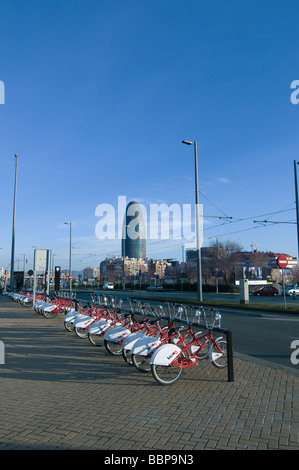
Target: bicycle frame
147	346
172	355
119	334
130	340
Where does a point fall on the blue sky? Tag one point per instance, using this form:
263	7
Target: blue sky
99	96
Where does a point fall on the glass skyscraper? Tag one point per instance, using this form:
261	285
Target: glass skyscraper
134	236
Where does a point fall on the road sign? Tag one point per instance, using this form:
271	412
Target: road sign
282	261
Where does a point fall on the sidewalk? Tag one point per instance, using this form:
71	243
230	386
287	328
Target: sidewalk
57	391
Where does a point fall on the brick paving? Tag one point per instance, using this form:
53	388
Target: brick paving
57	391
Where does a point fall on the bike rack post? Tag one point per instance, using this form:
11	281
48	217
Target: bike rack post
230	365
228	334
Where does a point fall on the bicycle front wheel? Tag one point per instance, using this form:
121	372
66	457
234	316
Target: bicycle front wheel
219	353
166	375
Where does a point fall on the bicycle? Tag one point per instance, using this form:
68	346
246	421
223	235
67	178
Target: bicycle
169	360
82	314
144	348
71	316
114	317
97	330
147	328
115	335
82	323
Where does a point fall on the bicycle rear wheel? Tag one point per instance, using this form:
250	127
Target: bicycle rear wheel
219	353
50	314
166	375
127	356
113	348
141	362
96	340
69	326
81	332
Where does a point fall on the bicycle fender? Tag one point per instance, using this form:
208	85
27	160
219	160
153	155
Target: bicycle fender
71	318
49	308
131	340
80	319
71	314
116	333
98	327
104	327
84	323
145	345
165	355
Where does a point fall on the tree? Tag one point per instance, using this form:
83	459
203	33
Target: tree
220	256
259	258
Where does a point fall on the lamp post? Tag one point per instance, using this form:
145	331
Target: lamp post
24	268
297	206
13	229
198	256
70	260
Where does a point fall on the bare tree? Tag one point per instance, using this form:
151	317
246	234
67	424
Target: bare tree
220	257
259	258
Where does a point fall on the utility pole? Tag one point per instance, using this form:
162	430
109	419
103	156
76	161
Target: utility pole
13	229
198	242
297	206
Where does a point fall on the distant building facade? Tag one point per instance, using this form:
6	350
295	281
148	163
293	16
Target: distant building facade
90	273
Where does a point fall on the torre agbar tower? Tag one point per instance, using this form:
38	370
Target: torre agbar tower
134	236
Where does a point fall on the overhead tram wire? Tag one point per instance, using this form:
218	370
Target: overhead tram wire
220	210
228	220
245	230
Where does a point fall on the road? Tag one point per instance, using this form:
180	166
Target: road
235	298
262	335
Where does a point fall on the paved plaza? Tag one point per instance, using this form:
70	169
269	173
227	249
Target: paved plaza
57	391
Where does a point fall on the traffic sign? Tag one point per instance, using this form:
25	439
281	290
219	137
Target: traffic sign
282	261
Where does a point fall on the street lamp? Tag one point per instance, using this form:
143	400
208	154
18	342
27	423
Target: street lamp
13	230
297	205
198	256
24	268
70	261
